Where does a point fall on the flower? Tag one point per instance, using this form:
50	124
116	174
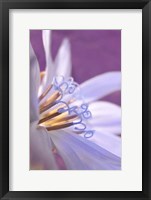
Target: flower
60	120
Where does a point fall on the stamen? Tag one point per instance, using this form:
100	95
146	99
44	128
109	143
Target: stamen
45	93
59	126
59	119
68	86
42	74
64	111
89	133
49	102
50	115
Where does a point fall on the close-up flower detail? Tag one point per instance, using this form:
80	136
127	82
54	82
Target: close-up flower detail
71	128
63	110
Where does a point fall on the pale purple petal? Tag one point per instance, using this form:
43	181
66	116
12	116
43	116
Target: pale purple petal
41	148
106	117
111	143
50	69
69	156
100	86
34	85
90	154
63	60
46	38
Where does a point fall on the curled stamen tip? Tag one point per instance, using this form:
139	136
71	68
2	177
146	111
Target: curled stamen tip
87	115
61	110
76	114
89	133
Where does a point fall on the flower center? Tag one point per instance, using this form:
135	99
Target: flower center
60	107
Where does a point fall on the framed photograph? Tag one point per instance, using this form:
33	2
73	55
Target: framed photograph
75	99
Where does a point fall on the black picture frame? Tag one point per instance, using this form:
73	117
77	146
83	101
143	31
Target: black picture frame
5	5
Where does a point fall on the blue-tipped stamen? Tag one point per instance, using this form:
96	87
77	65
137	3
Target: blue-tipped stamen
57	113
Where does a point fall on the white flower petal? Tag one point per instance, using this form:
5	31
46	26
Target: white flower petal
50	69
106	116
71	160
46	38
111	143
41	148
34	85
92	156
63	60
100	86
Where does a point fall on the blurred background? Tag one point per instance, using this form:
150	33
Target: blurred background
93	52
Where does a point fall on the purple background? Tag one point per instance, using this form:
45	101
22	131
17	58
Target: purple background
93	52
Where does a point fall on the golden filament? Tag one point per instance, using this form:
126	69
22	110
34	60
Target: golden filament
53	119
49	102
42	74
45	93
59	126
